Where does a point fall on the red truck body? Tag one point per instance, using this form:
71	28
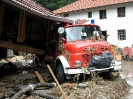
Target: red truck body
79	43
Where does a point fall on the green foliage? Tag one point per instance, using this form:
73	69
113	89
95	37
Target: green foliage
54	4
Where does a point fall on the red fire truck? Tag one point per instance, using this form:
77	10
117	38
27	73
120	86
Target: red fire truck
81	50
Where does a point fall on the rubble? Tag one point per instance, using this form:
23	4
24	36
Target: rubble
31	87
99	88
90	90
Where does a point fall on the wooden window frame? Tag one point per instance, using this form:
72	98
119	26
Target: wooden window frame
121	12
89	14
121	34
102	14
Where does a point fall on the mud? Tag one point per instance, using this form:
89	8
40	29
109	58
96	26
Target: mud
99	89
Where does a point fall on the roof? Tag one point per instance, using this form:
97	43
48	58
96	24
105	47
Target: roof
37	9
86	4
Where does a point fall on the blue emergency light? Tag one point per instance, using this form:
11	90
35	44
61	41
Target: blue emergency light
92	21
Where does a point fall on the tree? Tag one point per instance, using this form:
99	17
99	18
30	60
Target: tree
54	4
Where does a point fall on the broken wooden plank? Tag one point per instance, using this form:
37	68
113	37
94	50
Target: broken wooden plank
72	96
8	45
50	70
62	97
39	77
15	59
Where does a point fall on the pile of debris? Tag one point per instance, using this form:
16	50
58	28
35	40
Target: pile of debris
22	78
100	89
20	70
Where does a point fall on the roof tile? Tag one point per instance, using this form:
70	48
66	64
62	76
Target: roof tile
36	7
86	4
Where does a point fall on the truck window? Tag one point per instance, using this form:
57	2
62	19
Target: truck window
81	32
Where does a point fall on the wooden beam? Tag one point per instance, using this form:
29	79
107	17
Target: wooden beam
2	6
39	77
5	44
50	70
21	26
47	25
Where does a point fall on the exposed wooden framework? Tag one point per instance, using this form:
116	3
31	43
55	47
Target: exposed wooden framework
8	45
21	27
2	6
25	31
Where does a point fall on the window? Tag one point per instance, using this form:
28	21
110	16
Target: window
102	14
66	15
121	12
122	34
89	14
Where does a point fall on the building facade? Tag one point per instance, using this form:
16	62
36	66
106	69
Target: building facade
115	21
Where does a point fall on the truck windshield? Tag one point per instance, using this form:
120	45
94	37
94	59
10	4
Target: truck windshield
81	32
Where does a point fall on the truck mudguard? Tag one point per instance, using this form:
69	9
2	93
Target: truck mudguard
64	62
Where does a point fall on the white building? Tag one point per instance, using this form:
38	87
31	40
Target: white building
115	17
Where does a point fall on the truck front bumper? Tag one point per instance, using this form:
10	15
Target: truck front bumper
115	66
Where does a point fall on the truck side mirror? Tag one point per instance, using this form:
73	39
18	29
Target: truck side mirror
61	30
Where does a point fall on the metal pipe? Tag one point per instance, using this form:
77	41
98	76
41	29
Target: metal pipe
31	87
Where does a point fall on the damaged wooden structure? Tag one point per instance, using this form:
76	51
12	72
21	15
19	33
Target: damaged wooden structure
27	26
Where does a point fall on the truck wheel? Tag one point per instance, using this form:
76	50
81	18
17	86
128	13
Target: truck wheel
114	75
60	73
111	75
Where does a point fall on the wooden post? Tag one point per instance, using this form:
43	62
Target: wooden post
45	31
47	26
57	82
2	6
21	27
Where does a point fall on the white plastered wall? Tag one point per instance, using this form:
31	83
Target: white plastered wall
112	23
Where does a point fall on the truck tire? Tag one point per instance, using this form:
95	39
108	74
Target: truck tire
110	75
114	75
60	73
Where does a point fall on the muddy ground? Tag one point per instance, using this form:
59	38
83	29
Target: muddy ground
100	88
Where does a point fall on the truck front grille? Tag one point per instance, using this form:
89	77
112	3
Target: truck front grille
86	59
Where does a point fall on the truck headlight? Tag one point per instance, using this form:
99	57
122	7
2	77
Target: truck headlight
77	64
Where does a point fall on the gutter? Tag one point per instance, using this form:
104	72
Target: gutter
53	18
